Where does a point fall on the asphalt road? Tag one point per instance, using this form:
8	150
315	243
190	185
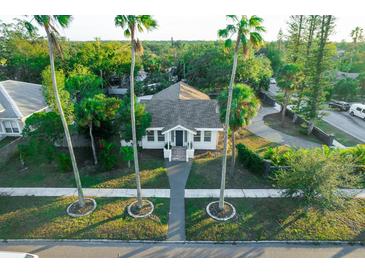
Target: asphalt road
173	250
354	126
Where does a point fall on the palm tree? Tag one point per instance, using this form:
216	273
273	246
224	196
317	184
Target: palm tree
50	23
290	77
248	31
131	24
244	107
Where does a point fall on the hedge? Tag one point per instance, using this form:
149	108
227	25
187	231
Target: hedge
251	160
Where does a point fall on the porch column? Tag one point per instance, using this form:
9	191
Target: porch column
168	139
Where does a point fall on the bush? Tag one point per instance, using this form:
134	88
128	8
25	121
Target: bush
108	155
127	154
64	162
250	159
278	155
317	174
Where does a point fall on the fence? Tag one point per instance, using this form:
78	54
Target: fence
9	151
317	132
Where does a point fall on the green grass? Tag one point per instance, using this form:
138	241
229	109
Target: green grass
206	169
7	140
274	121
276	219
340	136
206	173
153	174
46	218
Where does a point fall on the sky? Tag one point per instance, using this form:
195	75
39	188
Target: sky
183	27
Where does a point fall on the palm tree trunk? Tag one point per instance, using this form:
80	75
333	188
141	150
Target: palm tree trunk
226	124
133	120
64	123
233	160
93	143
285	104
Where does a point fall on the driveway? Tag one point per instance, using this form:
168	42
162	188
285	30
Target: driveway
353	126
49	249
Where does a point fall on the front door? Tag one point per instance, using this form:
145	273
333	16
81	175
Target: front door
179	138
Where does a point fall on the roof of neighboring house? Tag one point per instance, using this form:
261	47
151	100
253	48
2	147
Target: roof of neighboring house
182	105
343	75
20	99
181	91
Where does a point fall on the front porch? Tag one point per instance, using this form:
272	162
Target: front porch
179	142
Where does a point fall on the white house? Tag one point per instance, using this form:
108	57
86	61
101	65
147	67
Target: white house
18	100
183	120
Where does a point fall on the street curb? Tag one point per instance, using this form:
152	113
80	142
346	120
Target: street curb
102	241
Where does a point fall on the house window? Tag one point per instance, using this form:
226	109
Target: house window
207	136
14	126
160	137
197	136
11	127
172	136
150	135
185	136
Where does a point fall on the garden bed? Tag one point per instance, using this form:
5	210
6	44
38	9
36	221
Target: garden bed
275	219
153	173
46	218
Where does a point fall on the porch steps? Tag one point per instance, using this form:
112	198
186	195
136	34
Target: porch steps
178	154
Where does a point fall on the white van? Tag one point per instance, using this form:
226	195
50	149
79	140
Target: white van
357	110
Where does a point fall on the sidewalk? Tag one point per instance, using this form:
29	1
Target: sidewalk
158	193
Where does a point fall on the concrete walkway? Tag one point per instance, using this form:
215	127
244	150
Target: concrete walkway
177	176
178	173
259	128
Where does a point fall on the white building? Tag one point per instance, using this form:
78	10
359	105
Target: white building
183	120
18	100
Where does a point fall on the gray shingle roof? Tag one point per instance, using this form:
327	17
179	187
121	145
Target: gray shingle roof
180	91
20	99
191	114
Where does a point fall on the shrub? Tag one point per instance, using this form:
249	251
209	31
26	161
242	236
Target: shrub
108	155
127	154
317	174
64	161
278	155
250	159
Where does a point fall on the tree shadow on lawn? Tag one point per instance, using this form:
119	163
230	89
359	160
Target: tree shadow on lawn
274	219
23	215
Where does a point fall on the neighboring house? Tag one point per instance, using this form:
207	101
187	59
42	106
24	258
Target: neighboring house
18	100
183	120
340	75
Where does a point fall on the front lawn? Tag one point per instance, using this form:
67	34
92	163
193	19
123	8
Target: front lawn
207	169
46	218
153	173
275	219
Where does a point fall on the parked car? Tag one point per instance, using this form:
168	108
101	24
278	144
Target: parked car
7	254
272	81
341	105
357	110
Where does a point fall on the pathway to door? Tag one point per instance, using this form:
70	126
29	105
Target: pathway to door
178	173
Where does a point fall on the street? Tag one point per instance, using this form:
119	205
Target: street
342	120
47	249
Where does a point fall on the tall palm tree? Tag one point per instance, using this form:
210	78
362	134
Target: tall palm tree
132	24
50	23
248	32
